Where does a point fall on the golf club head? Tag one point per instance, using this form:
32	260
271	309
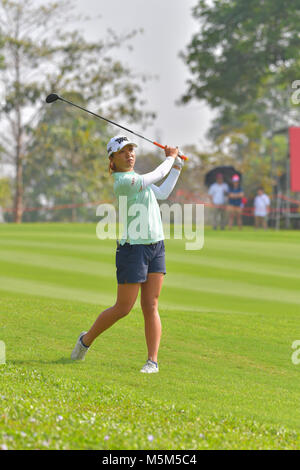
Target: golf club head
51	98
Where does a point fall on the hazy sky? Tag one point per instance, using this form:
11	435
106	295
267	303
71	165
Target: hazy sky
168	27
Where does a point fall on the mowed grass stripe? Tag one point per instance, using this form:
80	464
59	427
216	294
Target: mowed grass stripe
214	267
52	276
241	242
252	279
45	267
99	248
179	254
229	262
60	263
273	249
102	268
51	228
44	289
93	291
228	287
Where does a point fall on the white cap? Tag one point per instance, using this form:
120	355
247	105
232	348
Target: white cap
117	143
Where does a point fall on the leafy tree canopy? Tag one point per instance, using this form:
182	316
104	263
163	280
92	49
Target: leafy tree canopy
238	45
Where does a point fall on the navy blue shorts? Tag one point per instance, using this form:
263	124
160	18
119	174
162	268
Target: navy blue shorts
135	262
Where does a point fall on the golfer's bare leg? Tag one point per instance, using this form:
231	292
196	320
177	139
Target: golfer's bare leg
127	294
150	291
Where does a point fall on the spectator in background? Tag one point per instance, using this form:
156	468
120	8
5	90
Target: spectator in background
217	195
261	209
236	195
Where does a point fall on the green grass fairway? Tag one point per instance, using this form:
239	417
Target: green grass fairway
230	313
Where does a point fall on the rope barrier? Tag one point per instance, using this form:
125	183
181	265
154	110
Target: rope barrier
285	198
188	198
57	207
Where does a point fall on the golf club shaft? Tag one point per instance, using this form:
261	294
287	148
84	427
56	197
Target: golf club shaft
118	125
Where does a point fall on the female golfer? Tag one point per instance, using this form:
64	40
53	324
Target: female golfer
140	257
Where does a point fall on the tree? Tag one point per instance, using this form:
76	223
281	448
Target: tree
42	56
238	45
243	61
5	192
66	160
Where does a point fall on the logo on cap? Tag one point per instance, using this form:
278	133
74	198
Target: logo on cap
117	143
121	139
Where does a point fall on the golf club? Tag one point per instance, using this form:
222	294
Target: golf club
53	97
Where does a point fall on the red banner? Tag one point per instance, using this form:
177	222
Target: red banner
294	136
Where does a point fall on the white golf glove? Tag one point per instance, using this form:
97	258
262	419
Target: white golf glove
179	161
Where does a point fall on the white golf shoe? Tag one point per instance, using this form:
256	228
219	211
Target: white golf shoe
150	367
79	351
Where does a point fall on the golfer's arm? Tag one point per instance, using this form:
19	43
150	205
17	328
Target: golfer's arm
164	190
158	174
